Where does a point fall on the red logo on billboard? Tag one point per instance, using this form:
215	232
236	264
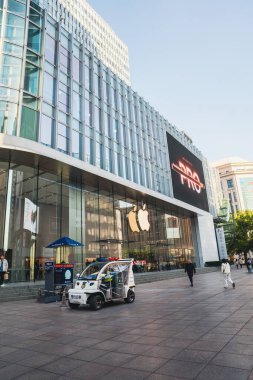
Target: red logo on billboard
188	176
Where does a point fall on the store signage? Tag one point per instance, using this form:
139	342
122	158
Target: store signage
138	221
187	175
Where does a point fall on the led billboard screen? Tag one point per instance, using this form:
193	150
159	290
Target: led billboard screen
187	175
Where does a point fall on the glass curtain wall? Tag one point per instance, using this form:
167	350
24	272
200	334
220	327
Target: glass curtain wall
40	207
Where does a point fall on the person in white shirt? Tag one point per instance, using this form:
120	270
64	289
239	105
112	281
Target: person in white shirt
226	270
3	268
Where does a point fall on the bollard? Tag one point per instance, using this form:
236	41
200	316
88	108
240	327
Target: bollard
63	301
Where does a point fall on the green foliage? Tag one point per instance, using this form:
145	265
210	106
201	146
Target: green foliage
239	232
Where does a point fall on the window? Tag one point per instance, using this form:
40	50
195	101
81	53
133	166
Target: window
46	130
12	49
97	119
88	112
50	49
16	7
230	183
76	144
35	17
63	98
15	29
76	69
31	83
8	118
64	60
34	38
29	123
48	88
63	134
76	106
10	71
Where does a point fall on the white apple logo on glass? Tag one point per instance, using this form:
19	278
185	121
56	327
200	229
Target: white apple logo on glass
143	219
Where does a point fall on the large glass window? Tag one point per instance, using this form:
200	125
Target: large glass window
63	97
12	49
35	17
63	138
50	49
76	144
76	69
46	130
34	38
16	7
8	117
10	71
29	123
76	106
15	26
48	88
64	60
31	83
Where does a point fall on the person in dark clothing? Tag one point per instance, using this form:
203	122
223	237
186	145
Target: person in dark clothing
190	269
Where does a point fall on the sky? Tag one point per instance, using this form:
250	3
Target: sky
192	60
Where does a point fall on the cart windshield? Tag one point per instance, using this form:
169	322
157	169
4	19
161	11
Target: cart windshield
92	270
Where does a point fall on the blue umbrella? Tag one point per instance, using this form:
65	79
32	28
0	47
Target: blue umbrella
64	242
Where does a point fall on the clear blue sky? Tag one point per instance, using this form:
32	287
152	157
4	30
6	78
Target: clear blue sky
193	61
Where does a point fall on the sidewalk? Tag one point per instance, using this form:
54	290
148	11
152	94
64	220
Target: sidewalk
172	331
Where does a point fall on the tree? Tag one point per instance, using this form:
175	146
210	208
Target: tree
240	232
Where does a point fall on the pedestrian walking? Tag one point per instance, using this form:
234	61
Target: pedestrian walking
236	261
226	270
3	268
240	261
190	269
249	265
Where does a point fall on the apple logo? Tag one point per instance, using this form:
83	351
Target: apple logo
133	220
143	219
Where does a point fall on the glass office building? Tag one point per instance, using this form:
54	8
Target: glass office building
80	151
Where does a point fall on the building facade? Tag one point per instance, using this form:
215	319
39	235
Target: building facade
110	48
83	155
236	177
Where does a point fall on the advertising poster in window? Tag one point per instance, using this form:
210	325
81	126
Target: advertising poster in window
31	216
187	175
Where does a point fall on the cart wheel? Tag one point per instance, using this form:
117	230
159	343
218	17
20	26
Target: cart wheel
73	305
96	302
130	296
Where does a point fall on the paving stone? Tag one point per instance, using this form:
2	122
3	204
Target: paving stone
62	365
89	371
212	372
38	375
207	345
145	363
196	356
12	371
162	352
178	368
239	348
126	374
87	354
115	358
233	360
